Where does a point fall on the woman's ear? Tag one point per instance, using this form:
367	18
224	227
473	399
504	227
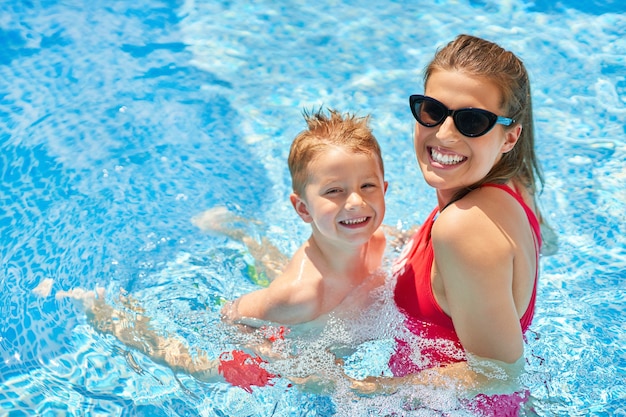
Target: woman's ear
300	206
511	137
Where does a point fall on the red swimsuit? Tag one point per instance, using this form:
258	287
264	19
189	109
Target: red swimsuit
414	296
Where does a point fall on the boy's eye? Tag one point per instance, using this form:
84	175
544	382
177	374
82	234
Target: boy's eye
333	191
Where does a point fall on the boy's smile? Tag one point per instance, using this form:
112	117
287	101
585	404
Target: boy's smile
355	222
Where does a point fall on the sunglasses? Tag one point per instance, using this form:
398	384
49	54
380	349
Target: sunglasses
469	121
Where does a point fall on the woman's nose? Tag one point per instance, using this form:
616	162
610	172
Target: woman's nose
447	130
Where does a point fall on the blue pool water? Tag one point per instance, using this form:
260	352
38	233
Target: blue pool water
120	120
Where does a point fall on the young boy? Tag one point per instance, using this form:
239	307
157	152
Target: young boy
338	188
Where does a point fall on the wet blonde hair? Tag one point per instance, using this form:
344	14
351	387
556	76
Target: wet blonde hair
347	131
480	58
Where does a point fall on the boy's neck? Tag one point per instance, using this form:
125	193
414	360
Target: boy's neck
343	260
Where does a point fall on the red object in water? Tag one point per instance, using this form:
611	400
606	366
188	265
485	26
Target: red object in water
274	333
244	370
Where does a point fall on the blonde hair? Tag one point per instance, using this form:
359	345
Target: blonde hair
481	58
346	131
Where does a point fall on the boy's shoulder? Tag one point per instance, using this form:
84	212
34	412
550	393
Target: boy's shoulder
296	301
298	287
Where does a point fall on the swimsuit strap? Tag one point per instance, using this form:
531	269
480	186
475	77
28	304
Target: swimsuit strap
532	217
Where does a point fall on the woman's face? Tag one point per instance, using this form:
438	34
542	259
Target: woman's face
449	160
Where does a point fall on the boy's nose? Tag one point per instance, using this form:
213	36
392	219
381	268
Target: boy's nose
354	200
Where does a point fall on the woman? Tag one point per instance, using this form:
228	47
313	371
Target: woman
466	281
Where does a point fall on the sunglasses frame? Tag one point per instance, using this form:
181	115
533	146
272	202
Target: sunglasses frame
493	118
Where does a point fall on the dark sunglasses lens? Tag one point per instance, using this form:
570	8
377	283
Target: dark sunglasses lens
473	122
430	113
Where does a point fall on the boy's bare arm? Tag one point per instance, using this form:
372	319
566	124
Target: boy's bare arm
283	302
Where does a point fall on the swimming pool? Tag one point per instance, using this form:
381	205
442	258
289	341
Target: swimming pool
119	121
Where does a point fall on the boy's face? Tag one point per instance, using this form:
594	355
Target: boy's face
344	197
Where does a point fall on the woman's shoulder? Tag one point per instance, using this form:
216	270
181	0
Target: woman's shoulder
484	212
494	201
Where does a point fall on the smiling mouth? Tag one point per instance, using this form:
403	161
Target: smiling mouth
445	158
353	222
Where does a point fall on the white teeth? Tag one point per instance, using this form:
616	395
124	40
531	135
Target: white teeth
445	159
355	221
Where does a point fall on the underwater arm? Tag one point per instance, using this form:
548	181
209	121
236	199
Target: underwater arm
476	376
270	259
397	238
133	329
